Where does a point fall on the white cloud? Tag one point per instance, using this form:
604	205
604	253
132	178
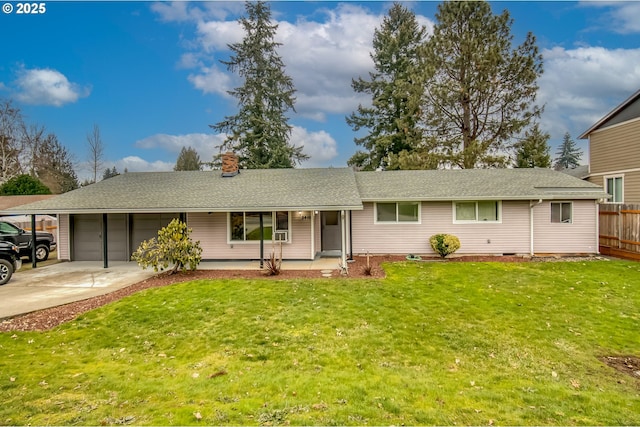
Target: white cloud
206	145
183	11
321	56
44	86
212	80
137	164
319	146
579	86
621	17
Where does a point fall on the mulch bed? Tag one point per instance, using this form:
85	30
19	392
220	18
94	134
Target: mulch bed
52	317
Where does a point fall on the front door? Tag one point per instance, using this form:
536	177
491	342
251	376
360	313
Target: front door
330	227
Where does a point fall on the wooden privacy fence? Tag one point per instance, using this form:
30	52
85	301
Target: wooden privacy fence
620	230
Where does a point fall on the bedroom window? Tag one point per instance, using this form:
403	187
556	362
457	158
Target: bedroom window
561	212
481	211
614	188
398	212
245	226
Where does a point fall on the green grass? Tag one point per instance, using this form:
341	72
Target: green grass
434	343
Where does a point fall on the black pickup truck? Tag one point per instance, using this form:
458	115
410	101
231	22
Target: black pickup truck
21	238
9	261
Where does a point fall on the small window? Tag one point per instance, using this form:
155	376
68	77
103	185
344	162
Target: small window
398	212
614	188
561	212
482	211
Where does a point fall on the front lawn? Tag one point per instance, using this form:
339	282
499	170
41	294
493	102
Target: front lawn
434	343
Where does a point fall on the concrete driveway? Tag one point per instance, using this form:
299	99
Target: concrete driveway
65	282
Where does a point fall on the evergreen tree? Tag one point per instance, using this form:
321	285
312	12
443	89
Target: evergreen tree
23	185
259	133
568	153
110	173
533	150
396	90
188	160
480	91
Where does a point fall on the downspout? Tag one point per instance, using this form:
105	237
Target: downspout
531	206
598	227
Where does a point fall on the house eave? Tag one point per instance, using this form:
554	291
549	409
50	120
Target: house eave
612	113
18	211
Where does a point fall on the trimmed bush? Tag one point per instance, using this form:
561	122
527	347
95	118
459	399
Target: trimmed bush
444	244
172	246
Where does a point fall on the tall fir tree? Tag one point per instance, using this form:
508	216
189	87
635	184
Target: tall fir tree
396	90
259	133
569	155
533	150
188	160
481	91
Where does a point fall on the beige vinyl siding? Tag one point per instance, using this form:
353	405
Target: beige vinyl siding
62	238
631	183
511	235
615	148
211	231
556	238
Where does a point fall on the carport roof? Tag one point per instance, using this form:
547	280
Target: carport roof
208	191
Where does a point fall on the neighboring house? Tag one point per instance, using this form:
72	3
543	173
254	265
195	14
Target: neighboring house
330	211
614	152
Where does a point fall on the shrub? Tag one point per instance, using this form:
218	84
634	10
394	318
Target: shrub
172	246
444	244
367	270
274	263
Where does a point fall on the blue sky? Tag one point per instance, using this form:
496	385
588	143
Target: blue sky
148	73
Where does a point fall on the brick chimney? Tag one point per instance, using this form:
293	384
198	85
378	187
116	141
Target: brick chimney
229	164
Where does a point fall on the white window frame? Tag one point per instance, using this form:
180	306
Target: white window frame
605	185
375	213
570	221
476	221
273	225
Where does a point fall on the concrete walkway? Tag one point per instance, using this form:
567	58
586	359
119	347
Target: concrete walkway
66	282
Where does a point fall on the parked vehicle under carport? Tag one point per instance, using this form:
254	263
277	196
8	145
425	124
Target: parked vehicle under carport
45	242
9	261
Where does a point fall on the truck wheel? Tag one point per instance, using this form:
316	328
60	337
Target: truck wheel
6	271
42	253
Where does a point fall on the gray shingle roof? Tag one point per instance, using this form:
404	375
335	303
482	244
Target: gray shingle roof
474	184
208	191
307	189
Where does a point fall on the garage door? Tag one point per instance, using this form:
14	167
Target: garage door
87	237
146	226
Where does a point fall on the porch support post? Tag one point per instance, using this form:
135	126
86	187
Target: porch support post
343	236
261	241
350	236
105	246
313	235
34	262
